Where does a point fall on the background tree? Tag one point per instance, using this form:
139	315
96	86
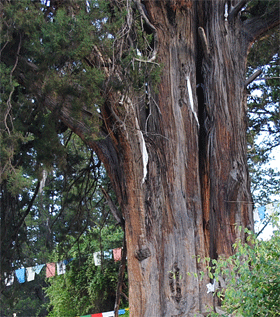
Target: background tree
264	117
68	203
175	153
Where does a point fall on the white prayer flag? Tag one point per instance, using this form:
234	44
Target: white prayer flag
61	267
211	287
9	280
108	314
97	258
30	273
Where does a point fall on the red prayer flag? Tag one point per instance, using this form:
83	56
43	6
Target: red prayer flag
117	254
97	315
50	269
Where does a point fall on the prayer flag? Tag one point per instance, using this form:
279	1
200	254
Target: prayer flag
117	254
97	258
97	315
38	268
269	210
107	254
108	314
211	287
20	274
121	311
30	274
50	270
276	206
9	280
67	261
61	268
261	211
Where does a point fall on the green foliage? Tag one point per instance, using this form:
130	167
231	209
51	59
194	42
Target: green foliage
251	276
68	206
126	314
86	288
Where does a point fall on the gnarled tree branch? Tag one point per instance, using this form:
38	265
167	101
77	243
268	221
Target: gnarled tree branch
257	26
235	10
154	55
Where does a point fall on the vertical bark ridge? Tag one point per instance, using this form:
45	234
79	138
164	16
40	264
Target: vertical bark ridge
223	79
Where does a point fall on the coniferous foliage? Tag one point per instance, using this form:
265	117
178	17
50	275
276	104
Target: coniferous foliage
68	204
86	288
264	116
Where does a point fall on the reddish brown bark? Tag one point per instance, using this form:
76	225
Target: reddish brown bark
197	187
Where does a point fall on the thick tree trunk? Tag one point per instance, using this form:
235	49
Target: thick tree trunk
196	189
178	162
177	158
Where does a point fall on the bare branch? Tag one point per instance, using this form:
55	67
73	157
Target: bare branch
154	55
115	212
9	101
18	226
253	77
235	10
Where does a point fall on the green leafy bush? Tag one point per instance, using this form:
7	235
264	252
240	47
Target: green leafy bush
251	277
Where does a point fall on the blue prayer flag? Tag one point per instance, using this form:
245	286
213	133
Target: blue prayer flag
20	274
261	211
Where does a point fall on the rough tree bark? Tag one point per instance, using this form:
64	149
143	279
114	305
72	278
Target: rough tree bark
178	163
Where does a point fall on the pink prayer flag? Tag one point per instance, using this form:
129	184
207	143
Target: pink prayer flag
50	269
117	253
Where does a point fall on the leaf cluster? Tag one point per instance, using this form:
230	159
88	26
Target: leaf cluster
86	288
251	276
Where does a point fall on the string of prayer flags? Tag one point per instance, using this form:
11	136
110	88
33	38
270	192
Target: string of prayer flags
60	267
30	274
262	215
50	271
9	280
262	212
20	274
117	254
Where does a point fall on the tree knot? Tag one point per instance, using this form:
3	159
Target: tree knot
142	254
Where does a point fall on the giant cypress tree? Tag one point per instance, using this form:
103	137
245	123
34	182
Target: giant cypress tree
157	89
